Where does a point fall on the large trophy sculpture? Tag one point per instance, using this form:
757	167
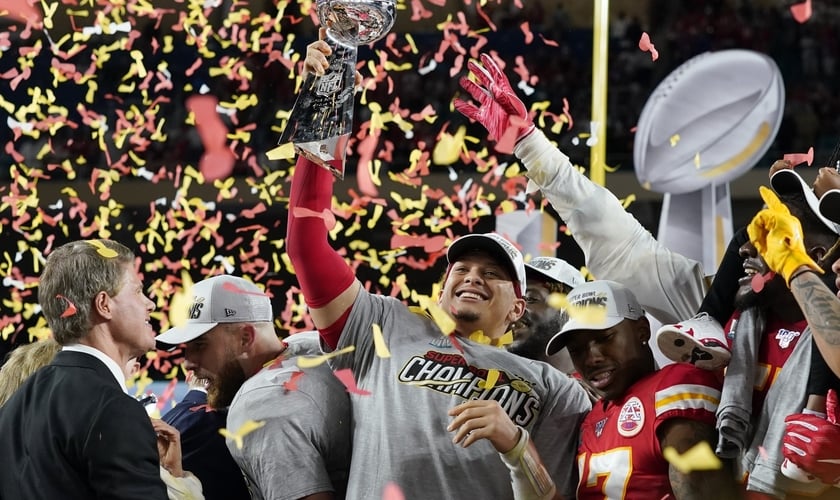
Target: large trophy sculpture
322	117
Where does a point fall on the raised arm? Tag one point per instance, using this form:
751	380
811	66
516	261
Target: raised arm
616	246
778	237
328	284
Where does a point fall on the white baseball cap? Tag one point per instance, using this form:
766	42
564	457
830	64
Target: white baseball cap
497	246
557	270
787	181
220	299
619	301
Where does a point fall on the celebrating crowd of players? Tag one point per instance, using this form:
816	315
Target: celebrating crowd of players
522	381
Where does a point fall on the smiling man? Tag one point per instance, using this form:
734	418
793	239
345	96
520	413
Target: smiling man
71	431
643	410
541	321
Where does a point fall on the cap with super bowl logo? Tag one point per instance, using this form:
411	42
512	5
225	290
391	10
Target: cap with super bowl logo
220	299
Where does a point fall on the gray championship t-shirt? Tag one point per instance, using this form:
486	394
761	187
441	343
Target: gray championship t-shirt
400	428
304	445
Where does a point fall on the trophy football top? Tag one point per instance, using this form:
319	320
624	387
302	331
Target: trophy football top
357	22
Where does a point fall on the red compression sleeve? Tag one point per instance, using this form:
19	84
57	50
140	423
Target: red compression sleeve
321	272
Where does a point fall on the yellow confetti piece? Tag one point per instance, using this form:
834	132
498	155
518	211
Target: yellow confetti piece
628	200
448	148
180	303
245	429
379	342
674	140
313	361
698	457
102	250
441	318
281	152
479	338
589	314
492	378
697	160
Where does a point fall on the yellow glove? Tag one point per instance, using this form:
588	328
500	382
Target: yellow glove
777	235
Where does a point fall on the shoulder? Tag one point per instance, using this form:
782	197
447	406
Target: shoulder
290	388
683	390
676	374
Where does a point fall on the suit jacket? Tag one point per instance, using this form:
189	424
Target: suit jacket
203	449
70	432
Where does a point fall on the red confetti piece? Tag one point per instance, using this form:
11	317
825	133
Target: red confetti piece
801	12
71	307
291	384
797	158
167	394
345	375
23	9
230	287
759	280
326	215
646	46
217	161
365	151
430	245
529	36
392	492
456	344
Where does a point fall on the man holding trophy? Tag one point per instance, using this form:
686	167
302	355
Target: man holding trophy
434	424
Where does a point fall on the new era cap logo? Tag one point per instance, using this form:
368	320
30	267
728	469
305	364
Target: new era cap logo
229	312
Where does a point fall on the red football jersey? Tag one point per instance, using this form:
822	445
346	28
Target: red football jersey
619	454
777	343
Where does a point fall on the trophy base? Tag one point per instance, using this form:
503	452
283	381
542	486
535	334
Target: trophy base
328	153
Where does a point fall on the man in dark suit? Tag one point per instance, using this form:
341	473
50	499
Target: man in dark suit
71	431
203	448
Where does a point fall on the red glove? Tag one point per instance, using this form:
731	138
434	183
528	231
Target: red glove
499	110
811	442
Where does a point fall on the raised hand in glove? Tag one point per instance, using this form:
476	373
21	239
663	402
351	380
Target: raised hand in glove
499	109
810	442
777	235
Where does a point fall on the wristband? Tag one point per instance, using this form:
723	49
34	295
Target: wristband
529	479
800	273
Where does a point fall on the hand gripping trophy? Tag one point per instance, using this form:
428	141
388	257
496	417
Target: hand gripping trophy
322	117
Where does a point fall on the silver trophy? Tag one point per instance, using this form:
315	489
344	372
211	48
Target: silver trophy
322	117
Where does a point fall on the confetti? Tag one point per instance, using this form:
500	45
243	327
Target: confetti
313	361
490	381
70	310
379	342
102	250
646	46
801	12
759	280
392	492
698	457
326	215
291	384
797	158
345	375
237	435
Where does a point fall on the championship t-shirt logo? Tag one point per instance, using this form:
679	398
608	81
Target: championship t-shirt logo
632	418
